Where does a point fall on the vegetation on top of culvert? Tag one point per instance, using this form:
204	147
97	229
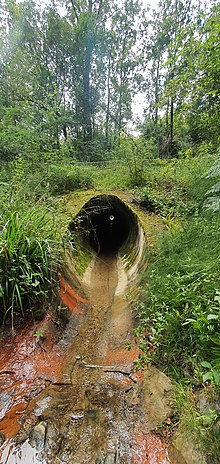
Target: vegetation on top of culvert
175	189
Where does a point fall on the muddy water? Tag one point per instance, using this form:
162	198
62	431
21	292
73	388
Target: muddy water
94	413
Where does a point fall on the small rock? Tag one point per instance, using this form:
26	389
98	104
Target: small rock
38	435
135	400
77	416
54	439
188	450
5	403
157	396
42	405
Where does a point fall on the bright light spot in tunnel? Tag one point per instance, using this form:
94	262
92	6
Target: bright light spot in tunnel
105	225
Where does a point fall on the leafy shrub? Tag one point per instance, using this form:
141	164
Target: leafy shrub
64	179
47	175
212	201
175	187
28	257
182	178
165	203
151	200
198	424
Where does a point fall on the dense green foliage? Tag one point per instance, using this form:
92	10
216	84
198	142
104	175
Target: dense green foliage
179	305
180	296
70	73
29	244
181	310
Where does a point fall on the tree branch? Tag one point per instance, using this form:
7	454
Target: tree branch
75	10
100	7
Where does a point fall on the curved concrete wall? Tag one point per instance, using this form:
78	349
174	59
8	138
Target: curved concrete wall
108	215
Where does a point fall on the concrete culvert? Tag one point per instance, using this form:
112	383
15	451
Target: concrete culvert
106	225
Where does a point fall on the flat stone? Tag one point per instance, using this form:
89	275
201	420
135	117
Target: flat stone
42	405
53	440
38	436
188	450
157	396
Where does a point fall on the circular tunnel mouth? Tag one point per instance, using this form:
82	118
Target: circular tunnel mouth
105	225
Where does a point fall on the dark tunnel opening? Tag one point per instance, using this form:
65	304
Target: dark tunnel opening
105	225
109	230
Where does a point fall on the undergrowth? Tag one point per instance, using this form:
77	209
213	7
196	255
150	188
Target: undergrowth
179	305
175	188
29	255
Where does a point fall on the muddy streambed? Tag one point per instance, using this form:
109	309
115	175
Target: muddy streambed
77	398
96	413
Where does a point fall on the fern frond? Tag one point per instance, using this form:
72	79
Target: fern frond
212	203
214	189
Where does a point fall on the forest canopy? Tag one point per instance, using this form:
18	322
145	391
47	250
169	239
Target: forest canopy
70	72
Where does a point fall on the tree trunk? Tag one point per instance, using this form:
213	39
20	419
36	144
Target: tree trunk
171	126
107	119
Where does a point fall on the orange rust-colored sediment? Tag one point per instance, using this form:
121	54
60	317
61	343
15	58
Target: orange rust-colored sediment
149	449
121	356
27	362
156	450
138	376
69	297
9	426
29	359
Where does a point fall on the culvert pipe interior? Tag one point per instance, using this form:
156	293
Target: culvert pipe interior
106	225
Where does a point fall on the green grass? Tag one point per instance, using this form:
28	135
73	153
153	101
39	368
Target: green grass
113	175
179	294
67	178
29	256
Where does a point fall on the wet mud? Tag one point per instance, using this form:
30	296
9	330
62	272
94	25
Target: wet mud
78	399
